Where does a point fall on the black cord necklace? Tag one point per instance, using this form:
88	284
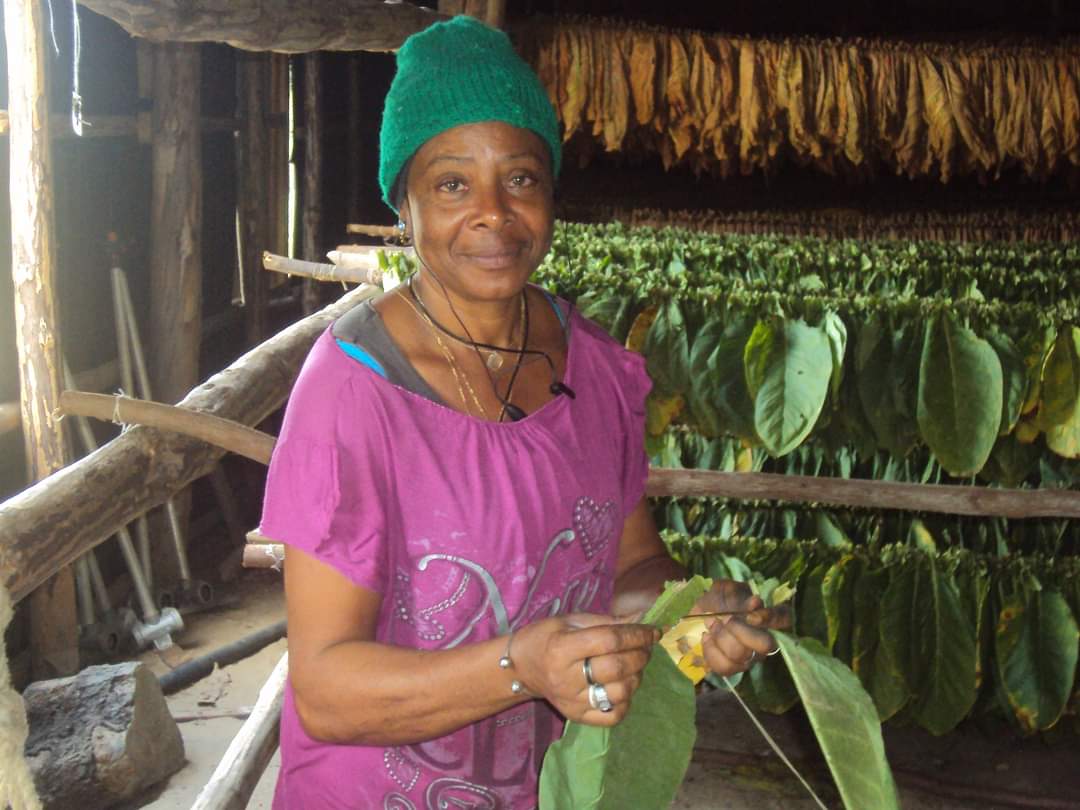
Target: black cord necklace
508	408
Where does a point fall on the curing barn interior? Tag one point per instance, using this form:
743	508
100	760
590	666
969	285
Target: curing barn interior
843	236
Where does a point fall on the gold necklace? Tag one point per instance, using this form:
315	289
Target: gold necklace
460	378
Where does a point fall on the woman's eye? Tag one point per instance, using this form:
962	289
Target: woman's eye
523	180
452	185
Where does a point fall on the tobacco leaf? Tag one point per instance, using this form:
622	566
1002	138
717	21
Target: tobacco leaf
845	722
1036	652
960	391
641	762
788	367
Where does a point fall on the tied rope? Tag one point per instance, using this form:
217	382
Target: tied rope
116	420
16	783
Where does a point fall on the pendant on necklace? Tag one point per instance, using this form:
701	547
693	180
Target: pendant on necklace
494	361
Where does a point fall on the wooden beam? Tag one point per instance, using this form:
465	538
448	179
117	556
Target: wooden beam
271	25
312	188
355	274
234	780
54	626
54	522
228	435
866	494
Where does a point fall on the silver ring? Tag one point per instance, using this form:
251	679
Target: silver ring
774	652
598	698
586	668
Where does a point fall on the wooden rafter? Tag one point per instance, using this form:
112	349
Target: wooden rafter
271	25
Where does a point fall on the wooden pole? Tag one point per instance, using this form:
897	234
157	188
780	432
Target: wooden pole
354	149
228	435
313	134
175	253
234	780
54	623
53	522
253	204
278	166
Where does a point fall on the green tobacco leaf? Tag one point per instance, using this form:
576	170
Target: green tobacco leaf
727	388
837	588
948	643
613	312
788	365
845	722
703	379
1062	429
768	685
1012	461
866	609
960	391
929	636
887	379
666	350
810	619
1061	379
836	332
899	669
1014	377
1036	652
639	763
676	601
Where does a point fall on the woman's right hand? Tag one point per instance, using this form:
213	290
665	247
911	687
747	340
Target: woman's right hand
549	658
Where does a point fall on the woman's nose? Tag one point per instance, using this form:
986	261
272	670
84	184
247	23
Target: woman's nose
492	207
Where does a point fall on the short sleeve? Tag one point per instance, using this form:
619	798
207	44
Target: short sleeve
635	471
325	486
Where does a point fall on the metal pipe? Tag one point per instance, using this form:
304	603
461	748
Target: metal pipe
127	547
84	592
145	390
191	671
101	592
127	383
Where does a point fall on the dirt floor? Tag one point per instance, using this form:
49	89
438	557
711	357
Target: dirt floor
733	766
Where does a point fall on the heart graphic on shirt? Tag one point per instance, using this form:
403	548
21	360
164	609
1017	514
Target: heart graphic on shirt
401	770
594	525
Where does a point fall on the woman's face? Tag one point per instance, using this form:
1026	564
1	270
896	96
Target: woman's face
479	206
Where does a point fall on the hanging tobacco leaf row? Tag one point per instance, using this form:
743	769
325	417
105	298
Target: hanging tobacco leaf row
733	105
926	632
968	350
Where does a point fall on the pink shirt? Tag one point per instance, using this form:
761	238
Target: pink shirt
468	529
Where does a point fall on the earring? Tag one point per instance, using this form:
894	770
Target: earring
402	236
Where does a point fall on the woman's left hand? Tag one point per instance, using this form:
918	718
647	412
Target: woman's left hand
734	643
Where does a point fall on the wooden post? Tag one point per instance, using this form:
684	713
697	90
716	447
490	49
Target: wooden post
54	626
254	209
312	188
175	252
279	157
492	12
353	142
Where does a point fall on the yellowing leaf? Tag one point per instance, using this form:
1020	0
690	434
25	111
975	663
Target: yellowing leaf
660	412
639	329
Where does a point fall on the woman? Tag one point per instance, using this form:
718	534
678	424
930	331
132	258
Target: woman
460	479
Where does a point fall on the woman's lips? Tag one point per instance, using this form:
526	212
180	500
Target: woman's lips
495	260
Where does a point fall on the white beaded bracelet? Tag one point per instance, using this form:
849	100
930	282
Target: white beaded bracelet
506	662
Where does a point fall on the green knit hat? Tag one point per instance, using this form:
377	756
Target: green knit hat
459	72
